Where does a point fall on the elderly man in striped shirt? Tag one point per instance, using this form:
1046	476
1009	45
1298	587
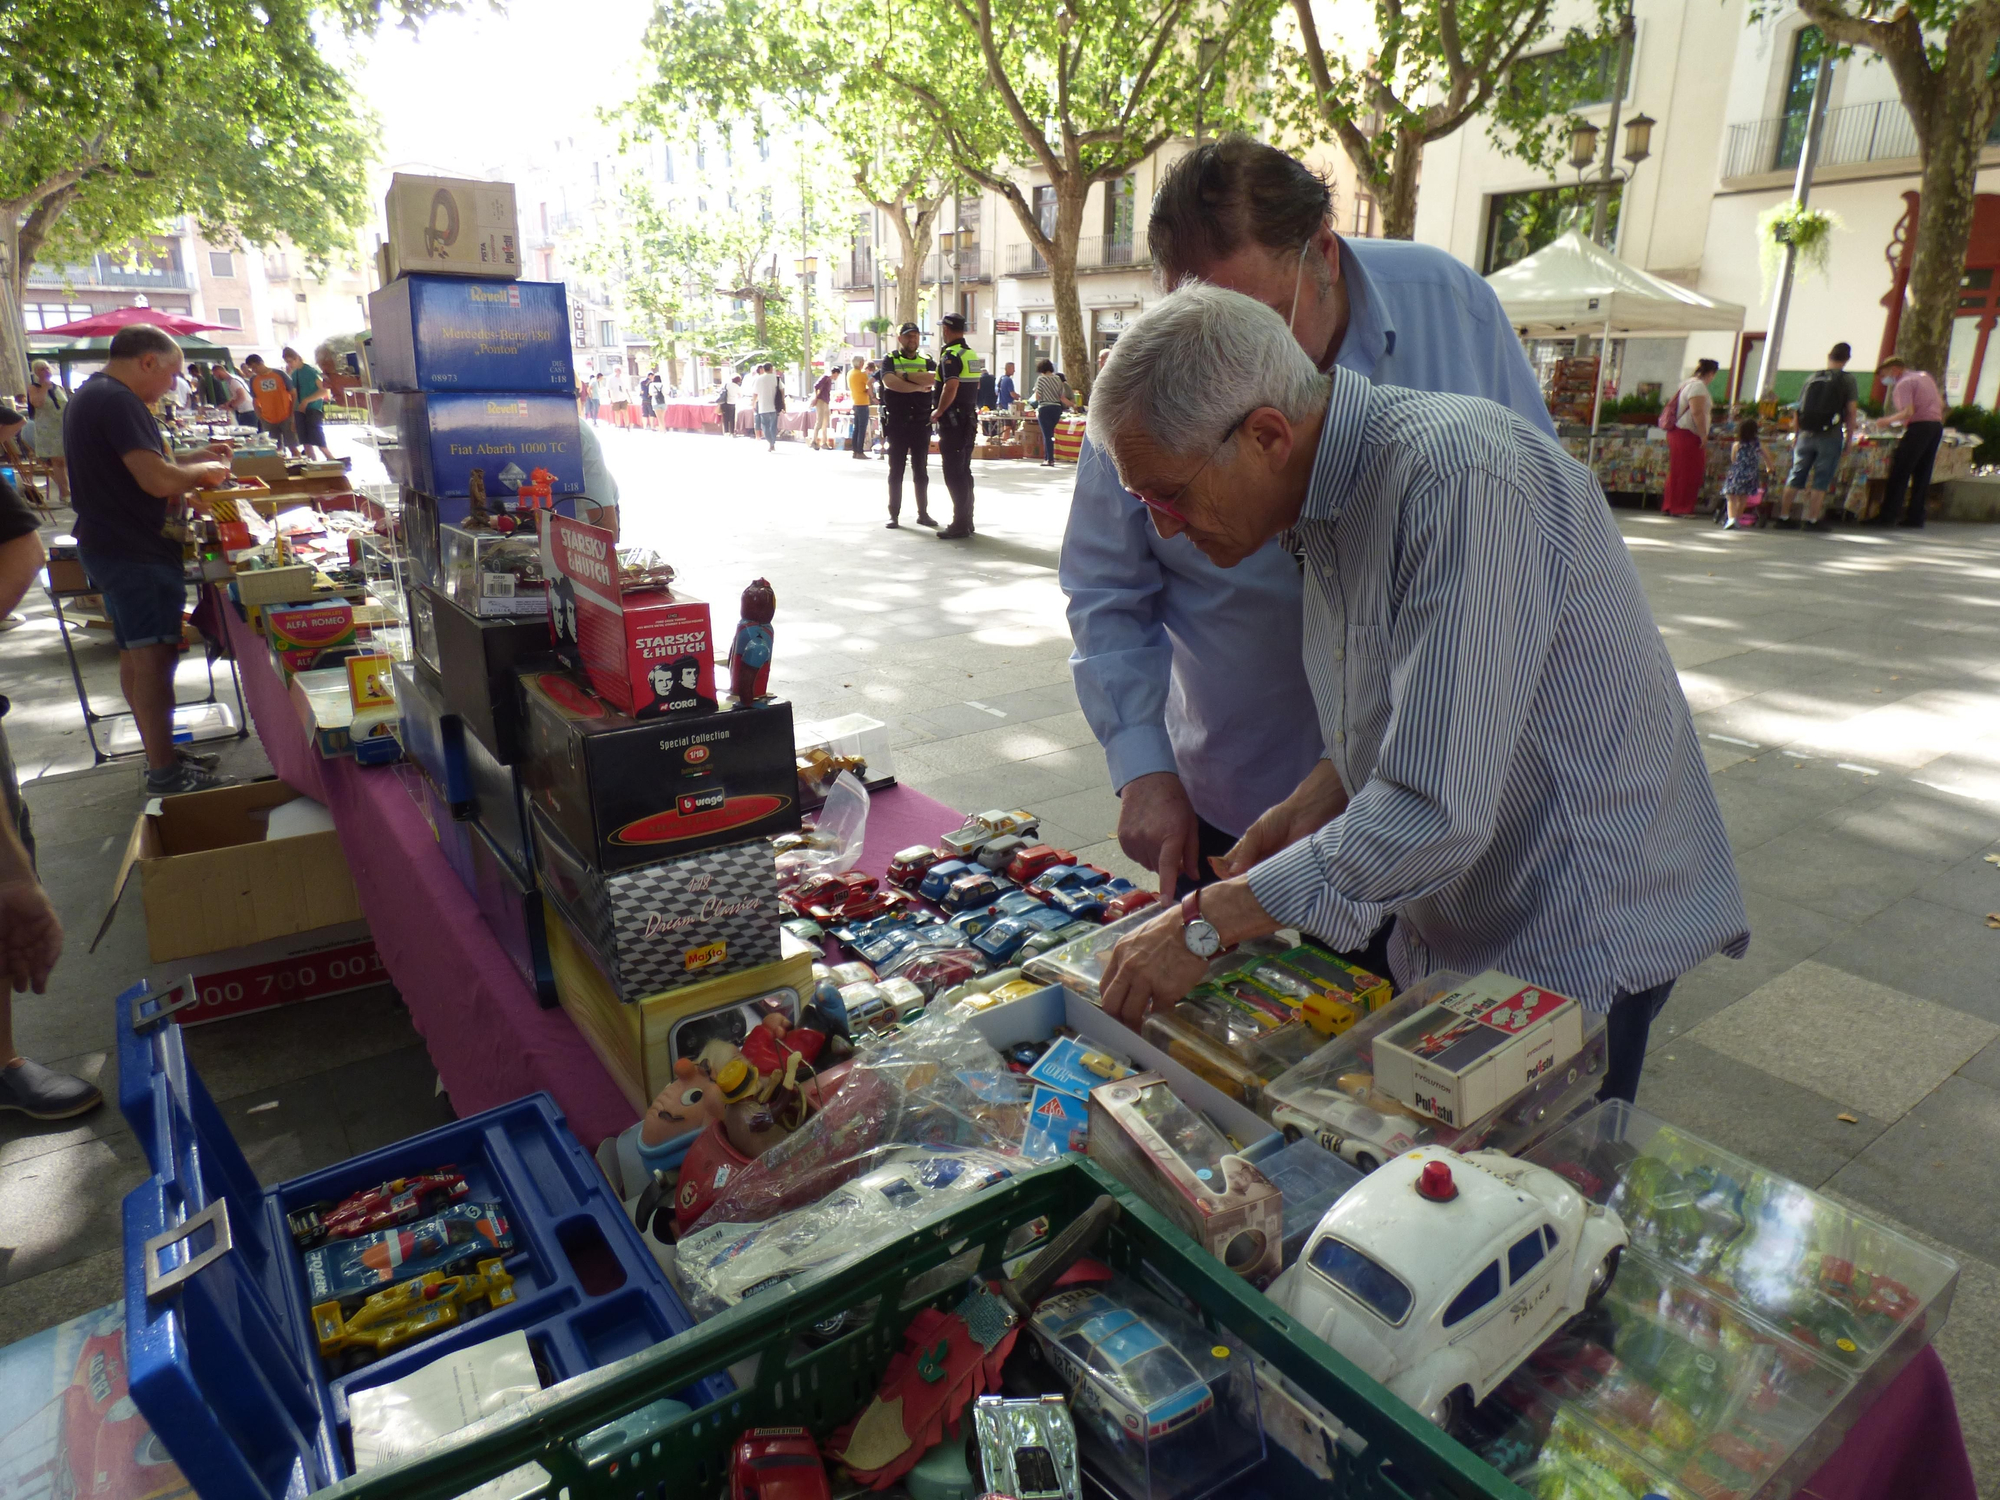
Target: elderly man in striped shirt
1527	792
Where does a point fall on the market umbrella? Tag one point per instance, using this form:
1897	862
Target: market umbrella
103	325
81	351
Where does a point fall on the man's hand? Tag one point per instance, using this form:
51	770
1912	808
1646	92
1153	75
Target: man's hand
1150	969
221	451
30	936
1317	801
1157	827
208	476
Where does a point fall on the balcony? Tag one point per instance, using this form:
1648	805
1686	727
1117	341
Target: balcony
1094	252
1853	135
103	275
972	266
854	271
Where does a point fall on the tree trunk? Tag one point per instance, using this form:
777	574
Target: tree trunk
13	332
916	244
1944	228
1073	340
1399	204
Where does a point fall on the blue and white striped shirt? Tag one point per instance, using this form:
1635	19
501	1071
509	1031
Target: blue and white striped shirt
1528	791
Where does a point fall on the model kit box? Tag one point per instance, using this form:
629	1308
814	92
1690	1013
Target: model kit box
1477	1047
472	662
635	791
455	225
446	436
446	333
659	926
302	634
650	652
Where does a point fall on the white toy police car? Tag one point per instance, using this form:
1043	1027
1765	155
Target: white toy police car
1439	1273
1358	1133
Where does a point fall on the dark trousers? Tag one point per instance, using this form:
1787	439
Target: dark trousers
1048	416
911	445
728	420
955	440
1910	469
859	442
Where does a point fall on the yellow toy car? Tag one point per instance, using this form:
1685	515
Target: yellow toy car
410	1311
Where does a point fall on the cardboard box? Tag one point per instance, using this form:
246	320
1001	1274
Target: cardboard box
434	738
647	653
301	635
445	435
659	926
473	663
639	1041
451	224
499	806
290	585
1477	1047
445	333
631	792
212	883
308	966
512	908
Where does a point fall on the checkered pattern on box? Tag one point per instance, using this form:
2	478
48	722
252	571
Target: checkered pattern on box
725	895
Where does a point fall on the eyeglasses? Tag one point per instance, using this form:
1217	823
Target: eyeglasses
1167	506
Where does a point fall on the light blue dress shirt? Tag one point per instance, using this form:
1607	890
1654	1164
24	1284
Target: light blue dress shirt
1529	792
1181	665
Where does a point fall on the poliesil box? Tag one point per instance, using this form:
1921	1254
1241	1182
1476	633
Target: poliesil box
629	792
647	653
660	926
453	224
445	435
1477	1047
447	333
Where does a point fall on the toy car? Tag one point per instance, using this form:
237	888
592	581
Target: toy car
1048	942
939	969
1027	1448
984	827
1357	1133
909	865
1034	859
1010	904
815	890
1087	903
1439	1273
854	899
777	1463
410	1311
1003	940
938	878
1123	1372
381	1207
997	854
1127	902
1066	878
976	889
805	929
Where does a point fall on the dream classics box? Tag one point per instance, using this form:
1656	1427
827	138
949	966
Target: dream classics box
648	653
448	333
1477	1047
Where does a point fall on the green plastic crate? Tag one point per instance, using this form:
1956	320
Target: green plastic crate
1389	1450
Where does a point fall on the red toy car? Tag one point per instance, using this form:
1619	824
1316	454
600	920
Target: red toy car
835	900
908	867
1125	905
777	1463
1031	861
381	1207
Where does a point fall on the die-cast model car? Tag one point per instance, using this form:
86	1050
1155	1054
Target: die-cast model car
1088	903
998	854
909	865
1002	941
1440	1272
1066	878
1034	859
1123	1373
937	970
413	1310
1126	902
777	1463
855	899
984	827
1046	942
813	890
938	878
1357	1133
1027	1448
979	888
1009	903
383	1206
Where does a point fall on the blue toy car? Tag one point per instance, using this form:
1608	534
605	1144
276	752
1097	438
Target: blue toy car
886	948
1066	878
977	889
938	878
1087	903
1003	940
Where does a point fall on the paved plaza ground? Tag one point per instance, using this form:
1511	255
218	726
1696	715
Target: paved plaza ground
1846	687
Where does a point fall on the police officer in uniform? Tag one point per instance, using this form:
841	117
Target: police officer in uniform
907	380
959	368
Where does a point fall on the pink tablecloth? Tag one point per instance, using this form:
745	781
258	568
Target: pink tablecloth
1907	1444
490	1040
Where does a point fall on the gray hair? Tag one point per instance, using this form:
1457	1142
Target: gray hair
1194	364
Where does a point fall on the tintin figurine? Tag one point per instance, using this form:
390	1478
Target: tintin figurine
750	651
476	510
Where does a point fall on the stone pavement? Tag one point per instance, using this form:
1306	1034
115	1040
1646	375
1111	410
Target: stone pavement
1847	689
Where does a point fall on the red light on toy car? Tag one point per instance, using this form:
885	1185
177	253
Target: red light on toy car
1435	1183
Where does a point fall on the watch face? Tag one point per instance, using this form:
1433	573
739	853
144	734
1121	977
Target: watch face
1202	939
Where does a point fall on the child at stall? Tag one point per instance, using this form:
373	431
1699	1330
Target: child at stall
1744	483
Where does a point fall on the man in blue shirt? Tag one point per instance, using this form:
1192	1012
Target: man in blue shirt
1191	676
1003	389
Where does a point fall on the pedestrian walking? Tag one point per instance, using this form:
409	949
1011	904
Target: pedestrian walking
1003	388
861	390
1051	401
1686	419
309	410
593	403
725	403
1829	417
646	396
960	368
621	397
1746	472
1915	403
822	411
908	378
764	386
239	400
273	396
46	400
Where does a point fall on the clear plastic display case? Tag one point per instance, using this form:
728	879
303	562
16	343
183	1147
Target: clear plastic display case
492	573
385	569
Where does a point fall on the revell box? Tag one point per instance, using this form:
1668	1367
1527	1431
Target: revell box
445	435
647	653
659	926
1477	1047
451	224
631	792
446	333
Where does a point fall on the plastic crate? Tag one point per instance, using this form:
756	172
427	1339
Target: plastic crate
1388	1451
222	1360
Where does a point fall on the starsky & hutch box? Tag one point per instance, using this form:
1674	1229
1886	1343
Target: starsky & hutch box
445	333
648	653
628	792
445	435
1477	1047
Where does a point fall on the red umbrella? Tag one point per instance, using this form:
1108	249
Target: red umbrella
104	325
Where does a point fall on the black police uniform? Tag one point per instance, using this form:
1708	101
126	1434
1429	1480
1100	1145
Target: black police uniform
958	427
906	423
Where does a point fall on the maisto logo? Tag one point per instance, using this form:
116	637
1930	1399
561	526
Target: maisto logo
694	755
706	956
683	822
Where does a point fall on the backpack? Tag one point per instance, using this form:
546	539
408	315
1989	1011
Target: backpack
1819	403
1670	413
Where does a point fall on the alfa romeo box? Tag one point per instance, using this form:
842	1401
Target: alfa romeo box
649	652
453	224
447	333
630	791
445	435
1477	1047
300	634
659	926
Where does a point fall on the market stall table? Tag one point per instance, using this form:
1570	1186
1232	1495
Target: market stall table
489	1038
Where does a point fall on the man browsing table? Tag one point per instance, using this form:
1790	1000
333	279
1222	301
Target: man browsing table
1528	793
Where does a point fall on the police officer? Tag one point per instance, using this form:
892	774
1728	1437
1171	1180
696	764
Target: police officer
907	380
960	367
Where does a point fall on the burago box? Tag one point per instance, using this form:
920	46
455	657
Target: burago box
631	792
299	634
1477	1047
445	435
663	925
457	225
647	653
447	333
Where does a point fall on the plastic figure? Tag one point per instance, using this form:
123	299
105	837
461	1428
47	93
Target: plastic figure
691	1102
539	492
774	1039
750	651
475	486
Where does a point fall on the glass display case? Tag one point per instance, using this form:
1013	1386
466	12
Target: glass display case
385	570
492	573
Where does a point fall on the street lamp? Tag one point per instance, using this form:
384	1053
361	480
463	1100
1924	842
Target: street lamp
1583	145
1639	138
807	267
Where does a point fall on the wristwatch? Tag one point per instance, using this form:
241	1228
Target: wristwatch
1197	931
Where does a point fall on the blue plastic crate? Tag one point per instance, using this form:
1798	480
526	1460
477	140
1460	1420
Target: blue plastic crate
222	1361
434	739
